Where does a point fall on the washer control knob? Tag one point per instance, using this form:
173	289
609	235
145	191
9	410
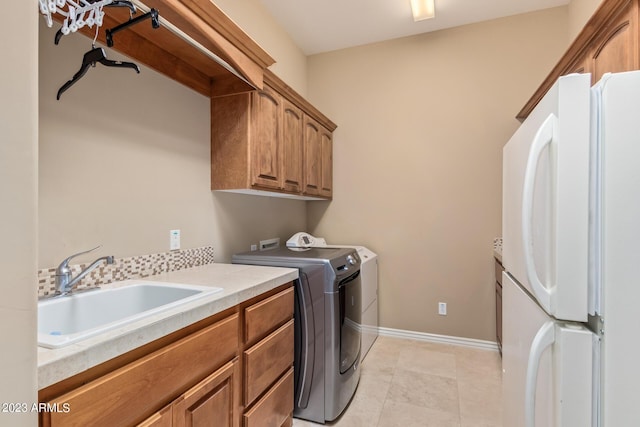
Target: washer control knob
351	260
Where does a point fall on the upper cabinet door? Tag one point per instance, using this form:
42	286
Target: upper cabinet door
292	124
312	162
616	49
265	139
326	156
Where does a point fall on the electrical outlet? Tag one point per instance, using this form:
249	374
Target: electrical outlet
174	240
442	308
254	247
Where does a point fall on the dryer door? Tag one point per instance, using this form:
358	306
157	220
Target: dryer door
350	290
309	344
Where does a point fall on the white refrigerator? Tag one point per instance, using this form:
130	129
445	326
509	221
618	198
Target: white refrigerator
571	252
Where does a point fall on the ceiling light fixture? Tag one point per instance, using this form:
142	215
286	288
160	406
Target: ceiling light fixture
423	9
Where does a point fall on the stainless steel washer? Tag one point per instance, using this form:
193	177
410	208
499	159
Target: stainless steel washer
327	321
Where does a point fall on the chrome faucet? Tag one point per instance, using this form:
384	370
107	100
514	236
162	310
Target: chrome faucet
64	280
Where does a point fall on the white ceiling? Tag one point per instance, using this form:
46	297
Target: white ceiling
324	25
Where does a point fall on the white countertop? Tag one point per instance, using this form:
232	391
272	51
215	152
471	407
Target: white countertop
239	283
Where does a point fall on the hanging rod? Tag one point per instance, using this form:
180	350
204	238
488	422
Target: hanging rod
178	32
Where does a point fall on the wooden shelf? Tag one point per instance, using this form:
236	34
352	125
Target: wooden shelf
178	59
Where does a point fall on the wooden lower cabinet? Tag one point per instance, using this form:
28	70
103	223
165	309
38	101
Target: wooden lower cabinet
129	394
194	377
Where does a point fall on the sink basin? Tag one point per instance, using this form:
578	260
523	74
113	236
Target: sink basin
69	319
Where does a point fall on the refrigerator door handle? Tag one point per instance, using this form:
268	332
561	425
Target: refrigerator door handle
544	136
545	337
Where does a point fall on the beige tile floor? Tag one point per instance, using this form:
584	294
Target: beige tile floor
411	383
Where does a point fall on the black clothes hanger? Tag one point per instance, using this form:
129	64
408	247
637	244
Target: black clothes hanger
115	3
89	60
155	23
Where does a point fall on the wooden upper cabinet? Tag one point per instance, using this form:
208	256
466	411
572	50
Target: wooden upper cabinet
265	137
607	43
271	140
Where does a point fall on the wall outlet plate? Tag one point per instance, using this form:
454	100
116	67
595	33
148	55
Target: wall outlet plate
174	240
442	308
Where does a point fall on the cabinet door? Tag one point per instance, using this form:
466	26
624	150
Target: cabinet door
265	138
292	125
212	402
163	418
326	160
312	162
616	49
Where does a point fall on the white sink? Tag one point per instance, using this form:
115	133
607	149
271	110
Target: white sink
69	319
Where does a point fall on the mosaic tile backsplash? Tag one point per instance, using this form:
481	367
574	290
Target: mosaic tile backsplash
129	268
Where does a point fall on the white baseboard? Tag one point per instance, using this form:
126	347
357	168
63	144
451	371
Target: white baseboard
442	339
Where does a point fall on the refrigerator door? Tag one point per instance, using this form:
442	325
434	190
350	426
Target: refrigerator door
546	200
547	365
619	130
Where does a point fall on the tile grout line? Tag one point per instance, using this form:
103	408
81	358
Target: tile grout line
458	388
386	396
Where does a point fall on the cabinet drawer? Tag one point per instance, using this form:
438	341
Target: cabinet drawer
132	393
275	407
267	360
498	269
265	316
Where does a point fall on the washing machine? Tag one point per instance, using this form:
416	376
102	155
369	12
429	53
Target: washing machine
327	324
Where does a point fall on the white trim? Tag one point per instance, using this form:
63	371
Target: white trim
442	339
272	194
